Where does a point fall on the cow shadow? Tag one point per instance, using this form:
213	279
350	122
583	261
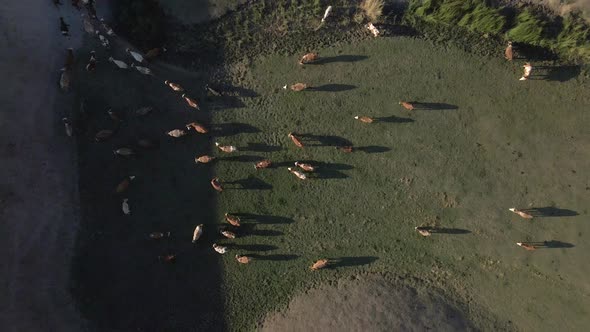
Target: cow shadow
260	147
443	230
558	244
264	219
251	247
339	58
250	183
250	230
393	119
351	261
555	73
332	88
278	257
532	53
233	128
373	149
324	140
242	158
549	211
433	106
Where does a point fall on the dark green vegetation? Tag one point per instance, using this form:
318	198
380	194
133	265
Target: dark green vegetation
480	142
569	36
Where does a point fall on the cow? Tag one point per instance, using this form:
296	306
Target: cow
204	159
91	66
320	264
529	247
191	102
508	53
364	119
232	220
126	152
228	234
176	133
298	174
298	86
295	140
125	206
407	105
521	213
226	148
174	86
65	79
220	249
424	231
243	259
68	126
197	127
197	232
138	57
124	185
305	167
527	71
143	70
263	164
373	29
216	184
119	63
308	58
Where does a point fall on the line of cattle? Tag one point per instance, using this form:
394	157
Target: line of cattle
89	24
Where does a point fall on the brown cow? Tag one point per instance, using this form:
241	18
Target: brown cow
508	53
191	102
364	119
263	164
216	184
295	140
308	58
407	105
320	264
233	220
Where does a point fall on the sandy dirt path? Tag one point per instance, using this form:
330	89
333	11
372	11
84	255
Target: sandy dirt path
38	177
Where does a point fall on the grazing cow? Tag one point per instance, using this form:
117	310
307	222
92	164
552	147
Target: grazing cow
216	184
191	102
232	220
103	135
113	115
176	133
529	247
126	152
119	63
298	86
226	148
263	164
125	206
424	231
197	232
345	149
297	173
124	185
174	86
373	29
107	28
508	53
154	53
65	79
308	58
103	40
521	213
212	91
295	140
305	167
143	70
138	57
69	58
68	126
143	111
87	24
243	259
527	71
326	13
197	127
159	235
364	119
91	66
64	27
204	159
228	234
407	105
320	264
219	249
167	258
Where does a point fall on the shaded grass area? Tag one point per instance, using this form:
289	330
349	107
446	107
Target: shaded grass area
118	280
495	143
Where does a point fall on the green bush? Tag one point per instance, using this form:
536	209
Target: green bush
484	19
528	29
574	38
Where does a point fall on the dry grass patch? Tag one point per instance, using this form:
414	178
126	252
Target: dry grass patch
373	9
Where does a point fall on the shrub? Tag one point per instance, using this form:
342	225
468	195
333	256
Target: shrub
373	9
484	19
574	38
528	29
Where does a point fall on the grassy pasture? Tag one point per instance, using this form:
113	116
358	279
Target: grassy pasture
482	143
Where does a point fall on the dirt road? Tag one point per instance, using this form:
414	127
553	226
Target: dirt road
38	177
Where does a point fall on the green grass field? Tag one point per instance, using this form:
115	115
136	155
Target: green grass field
483	143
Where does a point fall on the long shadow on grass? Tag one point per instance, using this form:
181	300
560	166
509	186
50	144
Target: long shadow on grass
339	58
251	247
352	261
442	230
233	128
555	73
550	211
260	147
332	88
324	140
553	244
277	258
433	106
393	119
117	279
250	183
242	158
264	219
